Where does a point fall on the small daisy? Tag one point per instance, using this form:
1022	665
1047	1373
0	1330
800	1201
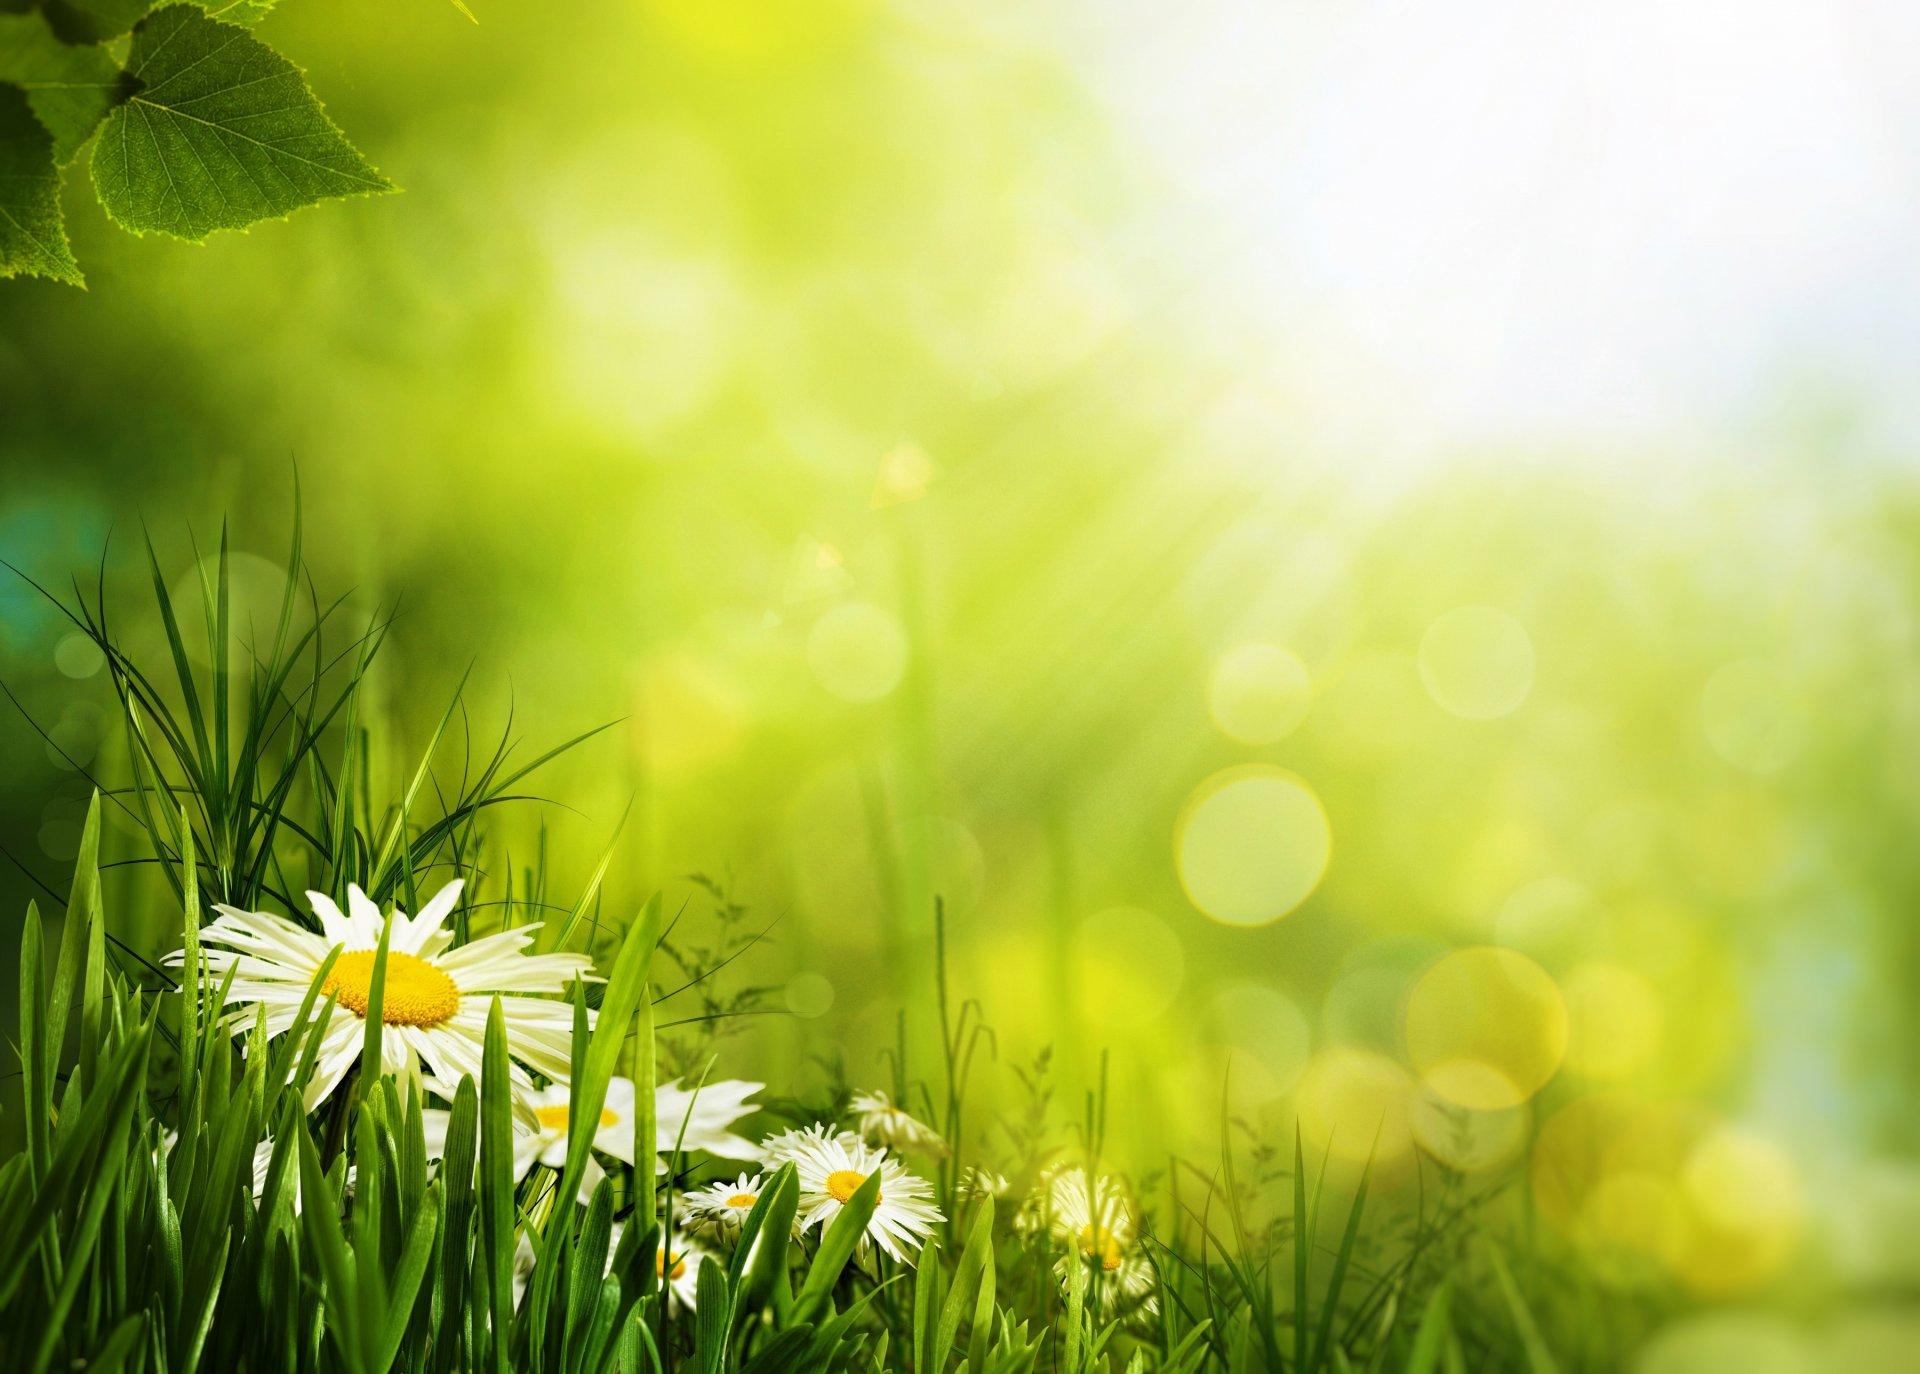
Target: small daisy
686	1265
789	1144
880	1121
977	1183
678	1267
831	1171
1126	1282
435	1000
720	1209
708	1116
1094	1220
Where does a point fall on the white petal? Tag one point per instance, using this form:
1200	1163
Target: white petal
479	953
337	1054
433	916
365	916
336	927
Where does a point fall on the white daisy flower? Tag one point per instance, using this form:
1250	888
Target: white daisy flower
708	1114
720	1209
880	1121
680	1283
523	1262
831	1171
782	1146
977	1183
678	1267
1126	1282
435	1000
708	1117
1092	1219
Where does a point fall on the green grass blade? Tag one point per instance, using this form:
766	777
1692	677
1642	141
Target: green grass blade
397	826
189	963
36	1080
372	1069
1430	1337
405	1286
1539	1359
836	1249
85	897
1330	1305
974	1260
496	1183
626	990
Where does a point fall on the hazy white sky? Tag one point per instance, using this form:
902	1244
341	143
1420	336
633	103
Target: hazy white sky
1618	223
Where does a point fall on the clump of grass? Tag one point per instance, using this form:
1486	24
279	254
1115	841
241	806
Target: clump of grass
204	1217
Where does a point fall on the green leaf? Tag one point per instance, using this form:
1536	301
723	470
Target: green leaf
1539	1359
836	1248
406	1280
975	1260
221	134
761	1252
372	1056
94	21
246	13
70	88
495	1255
33	237
36	1091
711	1309
626	990
83	898
1431	1335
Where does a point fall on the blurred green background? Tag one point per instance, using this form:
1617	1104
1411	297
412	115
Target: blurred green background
958	485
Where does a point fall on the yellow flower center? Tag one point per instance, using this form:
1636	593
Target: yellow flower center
678	1262
1100	1241
842	1184
744	1201
555	1118
416	993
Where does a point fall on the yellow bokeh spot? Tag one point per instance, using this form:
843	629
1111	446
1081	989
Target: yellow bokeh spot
858	652
1664	1187
1634	1226
809	995
1463	1139
1615	1020
1741	1181
1570	1156
1547	916
1486	1028
1477	662
1259	693
1353	1105
757	33
1251	844
1126	966
905	474
686	713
